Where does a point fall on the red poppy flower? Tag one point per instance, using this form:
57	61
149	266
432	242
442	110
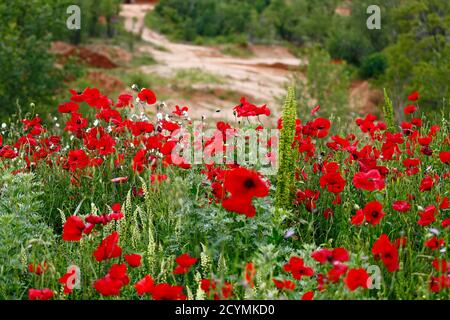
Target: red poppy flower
410	109
180	111
441	265
335	273
210	287
40	294
401	206
245	183
250	274
369	181
239	205
78	159
445	156
444	204
166	291
68	280
68	107
373	212
434	243
308	295
144	285
108	248
358	218
332	256
147	96
73	229
247	109
383	249
356	278
400	242
297	268
426	184
445	223
124	100
113	282
414	96
439	283
133	260
328	213
184	261
333	181
284	284
427	216
37	269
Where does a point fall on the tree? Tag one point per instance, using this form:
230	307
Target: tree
27	68
420	57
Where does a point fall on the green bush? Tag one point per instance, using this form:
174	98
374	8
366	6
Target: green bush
373	66
419	59
27	68
23	234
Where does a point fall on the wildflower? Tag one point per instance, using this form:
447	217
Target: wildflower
414	96
297	268
166	291
113	282
247	109
78	159
427	216
211	288
68	276
356	278
40	294
308	295
68	107
184	261
332	179
369	181
373	212
383	249
145	285
73	229
434	243
445	157
37	269
250	273
124	100
332	256
410	109
133	260
284	284
245	183
426	184
147	96
401	206
108	248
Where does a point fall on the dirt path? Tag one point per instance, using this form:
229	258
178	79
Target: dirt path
261	77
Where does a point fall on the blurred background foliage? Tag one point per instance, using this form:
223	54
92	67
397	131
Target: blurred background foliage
410	52
27	28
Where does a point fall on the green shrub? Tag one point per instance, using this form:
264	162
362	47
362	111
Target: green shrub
326	84
419	59
23	234
373	66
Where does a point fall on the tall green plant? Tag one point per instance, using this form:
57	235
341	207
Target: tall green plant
388	110
287	154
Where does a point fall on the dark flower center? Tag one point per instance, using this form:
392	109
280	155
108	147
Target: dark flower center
249	183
